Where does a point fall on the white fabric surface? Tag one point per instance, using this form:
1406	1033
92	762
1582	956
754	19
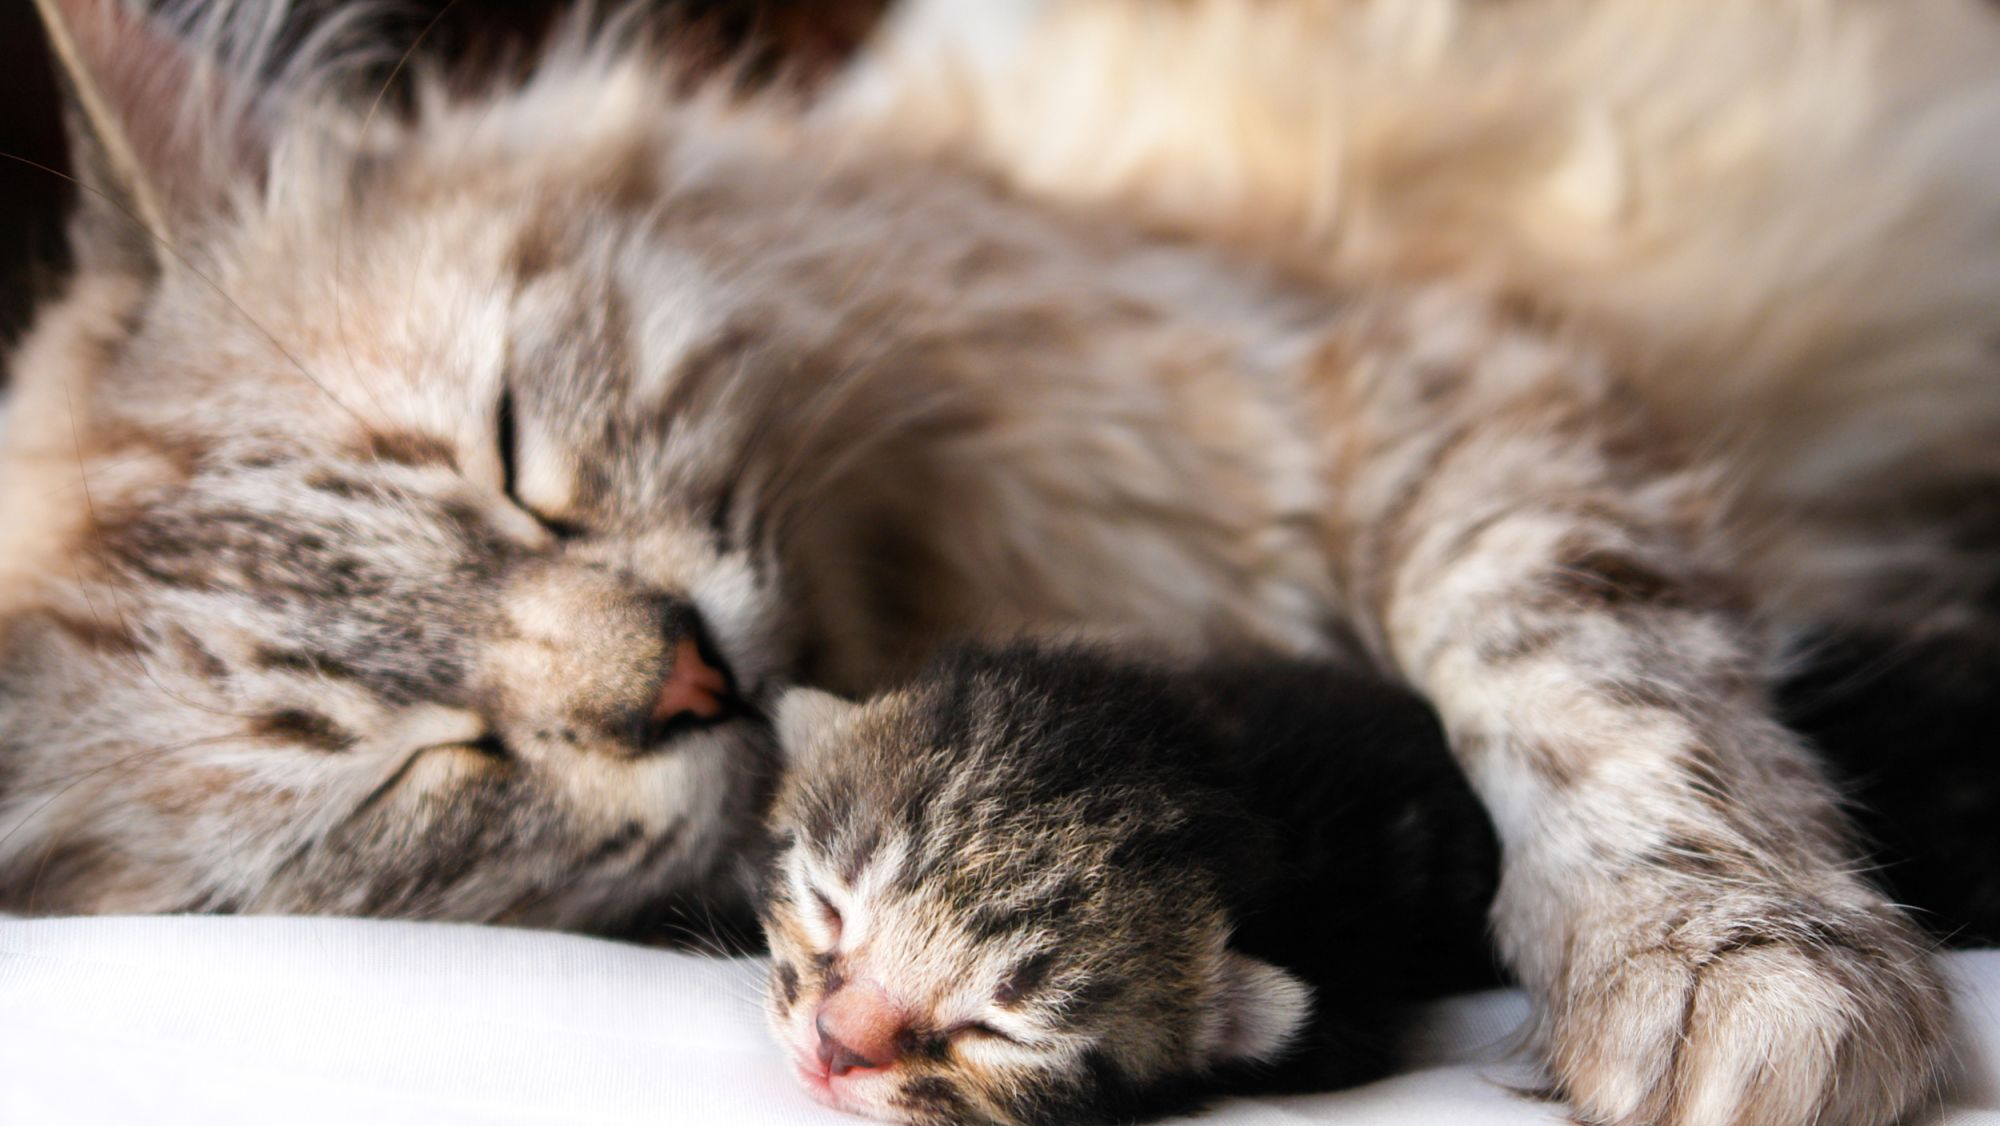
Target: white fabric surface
220	1021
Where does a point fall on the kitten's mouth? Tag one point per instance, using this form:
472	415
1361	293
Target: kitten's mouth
826	1091
859	1091
815	1081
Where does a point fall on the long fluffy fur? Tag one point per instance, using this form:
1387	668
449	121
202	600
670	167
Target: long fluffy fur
1780	213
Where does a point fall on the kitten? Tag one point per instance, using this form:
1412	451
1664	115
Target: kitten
1048	883
410	512
1042	884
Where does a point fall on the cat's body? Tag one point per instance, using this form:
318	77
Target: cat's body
352	541
1040	883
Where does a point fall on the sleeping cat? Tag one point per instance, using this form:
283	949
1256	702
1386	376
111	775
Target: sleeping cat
410	512
1040	884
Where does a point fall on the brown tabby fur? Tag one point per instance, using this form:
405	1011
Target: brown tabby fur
282	628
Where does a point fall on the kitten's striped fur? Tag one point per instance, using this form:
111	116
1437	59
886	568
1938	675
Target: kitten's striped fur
1081	887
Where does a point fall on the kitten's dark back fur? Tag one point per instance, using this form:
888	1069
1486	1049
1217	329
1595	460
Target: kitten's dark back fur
1909	727
1362	861
1385	863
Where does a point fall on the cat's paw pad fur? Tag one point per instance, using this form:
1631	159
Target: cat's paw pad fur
1782	1015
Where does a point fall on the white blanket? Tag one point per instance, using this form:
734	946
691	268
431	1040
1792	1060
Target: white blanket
220	1021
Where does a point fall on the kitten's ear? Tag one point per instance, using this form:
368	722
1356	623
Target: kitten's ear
1259	1009
808	718
158	134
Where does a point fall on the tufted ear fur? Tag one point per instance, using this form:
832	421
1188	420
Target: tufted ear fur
1259	1010
808	719
160	134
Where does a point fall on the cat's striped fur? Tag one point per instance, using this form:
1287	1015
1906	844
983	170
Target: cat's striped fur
345	533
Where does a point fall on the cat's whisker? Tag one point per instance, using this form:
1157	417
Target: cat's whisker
345	209
702	941
851	380
72	781
282	871
863	445
853	377
93	525
188	264
127	759
780	499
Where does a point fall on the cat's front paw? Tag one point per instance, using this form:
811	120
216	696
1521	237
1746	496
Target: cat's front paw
1759	1011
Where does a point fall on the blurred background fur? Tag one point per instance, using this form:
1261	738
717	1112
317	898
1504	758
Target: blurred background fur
791	42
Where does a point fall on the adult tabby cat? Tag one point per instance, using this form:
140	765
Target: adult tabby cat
409	514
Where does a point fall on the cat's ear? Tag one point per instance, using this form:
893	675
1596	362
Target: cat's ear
1259	1010
159	135
808	719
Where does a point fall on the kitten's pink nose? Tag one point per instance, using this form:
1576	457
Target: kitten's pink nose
693	687
859	1027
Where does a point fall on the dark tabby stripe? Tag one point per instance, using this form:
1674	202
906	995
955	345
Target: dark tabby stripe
303	728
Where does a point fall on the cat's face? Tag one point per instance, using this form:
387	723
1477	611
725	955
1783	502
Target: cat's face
382	549
955	941
357	527
460	631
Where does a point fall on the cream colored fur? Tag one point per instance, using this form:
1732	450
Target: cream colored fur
1780	214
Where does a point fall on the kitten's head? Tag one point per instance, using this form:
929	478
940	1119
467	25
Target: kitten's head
391	528
983	908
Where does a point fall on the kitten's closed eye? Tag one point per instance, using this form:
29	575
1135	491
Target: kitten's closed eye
980	1030
829	915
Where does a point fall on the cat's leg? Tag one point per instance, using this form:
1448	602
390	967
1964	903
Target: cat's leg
1679	892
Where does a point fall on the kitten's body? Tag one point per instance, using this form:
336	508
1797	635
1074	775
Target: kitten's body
1098	861
1131	830
349	542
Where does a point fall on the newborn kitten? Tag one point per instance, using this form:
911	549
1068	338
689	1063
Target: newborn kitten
1042	884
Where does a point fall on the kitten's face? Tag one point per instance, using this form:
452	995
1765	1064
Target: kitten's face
952	944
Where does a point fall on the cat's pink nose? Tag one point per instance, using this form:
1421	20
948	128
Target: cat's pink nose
693	687
859	1027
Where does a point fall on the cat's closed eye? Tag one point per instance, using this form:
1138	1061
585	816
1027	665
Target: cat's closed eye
490	747
484	748
508	440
